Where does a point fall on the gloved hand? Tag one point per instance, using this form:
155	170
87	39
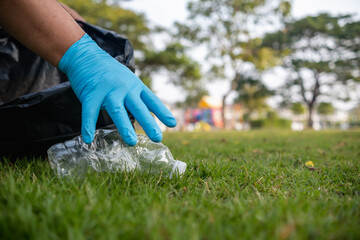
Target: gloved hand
99	81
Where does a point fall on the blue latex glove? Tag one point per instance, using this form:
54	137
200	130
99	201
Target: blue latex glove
99	81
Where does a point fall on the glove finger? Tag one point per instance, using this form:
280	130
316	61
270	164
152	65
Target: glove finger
142	114
90	114
158	108
122	122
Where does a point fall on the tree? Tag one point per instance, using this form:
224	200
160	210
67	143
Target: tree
225	28
252	94
297	108
325	109
323	55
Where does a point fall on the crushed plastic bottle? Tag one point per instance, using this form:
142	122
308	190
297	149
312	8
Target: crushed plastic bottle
109	153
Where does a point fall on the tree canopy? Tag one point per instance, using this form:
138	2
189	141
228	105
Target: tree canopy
252	94
322	58
325	108
297	108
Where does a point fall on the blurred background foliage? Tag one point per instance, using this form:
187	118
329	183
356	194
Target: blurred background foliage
225	28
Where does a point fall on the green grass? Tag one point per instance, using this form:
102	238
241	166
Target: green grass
238	185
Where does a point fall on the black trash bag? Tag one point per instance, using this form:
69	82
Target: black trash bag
49	112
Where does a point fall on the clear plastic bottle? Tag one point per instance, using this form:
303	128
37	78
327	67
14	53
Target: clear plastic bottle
108	152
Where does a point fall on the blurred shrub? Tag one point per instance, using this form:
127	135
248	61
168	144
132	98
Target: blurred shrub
354	124
270	123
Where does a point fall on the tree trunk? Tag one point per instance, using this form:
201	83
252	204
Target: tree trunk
234	84
310	122
311	104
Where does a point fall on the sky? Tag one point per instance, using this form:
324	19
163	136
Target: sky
165	12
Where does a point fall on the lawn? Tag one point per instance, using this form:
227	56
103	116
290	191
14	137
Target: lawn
238	185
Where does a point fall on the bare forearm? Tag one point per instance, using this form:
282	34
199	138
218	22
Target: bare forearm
43	26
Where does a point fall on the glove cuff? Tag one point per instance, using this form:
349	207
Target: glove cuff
71	52
78	63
